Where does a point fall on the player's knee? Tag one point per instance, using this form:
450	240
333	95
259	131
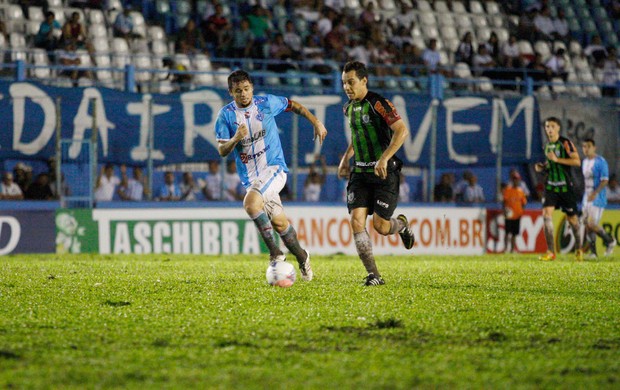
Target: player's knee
357	225
252	203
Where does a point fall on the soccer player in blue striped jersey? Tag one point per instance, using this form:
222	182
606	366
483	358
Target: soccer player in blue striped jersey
247	128
596	175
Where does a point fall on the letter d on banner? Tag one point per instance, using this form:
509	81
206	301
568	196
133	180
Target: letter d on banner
15	232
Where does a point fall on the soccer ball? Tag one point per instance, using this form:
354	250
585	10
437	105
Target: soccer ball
281	274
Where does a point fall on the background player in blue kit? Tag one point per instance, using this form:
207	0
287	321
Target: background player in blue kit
596	175
247	127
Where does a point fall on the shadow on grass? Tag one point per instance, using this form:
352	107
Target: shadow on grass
116	303
8	355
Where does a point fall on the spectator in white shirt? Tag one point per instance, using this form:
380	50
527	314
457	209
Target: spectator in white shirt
292	38
213	180
233	190
482	60
326	21
361	51
557	65
595	51
106	184
473	192
431	56
131	189
511	54
9	190
314	181
407	16
560	26
544	24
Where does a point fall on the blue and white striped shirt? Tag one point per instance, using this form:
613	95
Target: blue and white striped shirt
262	147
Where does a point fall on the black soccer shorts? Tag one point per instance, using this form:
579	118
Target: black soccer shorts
565	201
378	195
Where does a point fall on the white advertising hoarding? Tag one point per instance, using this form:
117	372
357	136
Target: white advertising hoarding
321	229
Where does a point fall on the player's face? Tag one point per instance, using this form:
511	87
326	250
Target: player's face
589	150
553	130
242	93
355	88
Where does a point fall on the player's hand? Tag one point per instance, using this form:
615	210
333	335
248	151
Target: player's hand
539	167
551	156
591	197
320	132
381	168
242	131
343	169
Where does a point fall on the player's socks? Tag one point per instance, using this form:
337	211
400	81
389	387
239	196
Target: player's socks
607	238
548	228
364	250
577	233
396	225
263	224
289	238
592	240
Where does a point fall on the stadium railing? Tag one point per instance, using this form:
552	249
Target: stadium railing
299	75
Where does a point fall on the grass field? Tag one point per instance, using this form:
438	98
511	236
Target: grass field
171	321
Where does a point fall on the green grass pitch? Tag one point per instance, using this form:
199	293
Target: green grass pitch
173	321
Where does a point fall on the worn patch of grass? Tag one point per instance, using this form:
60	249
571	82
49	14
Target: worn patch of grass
172	321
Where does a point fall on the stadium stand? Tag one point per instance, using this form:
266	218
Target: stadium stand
155	23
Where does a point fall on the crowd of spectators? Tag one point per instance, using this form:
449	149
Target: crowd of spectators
218	185
331	34
467	189
22	184
318	35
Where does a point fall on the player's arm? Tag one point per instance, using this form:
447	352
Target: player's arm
398	138
343	167
573	159
598	189
320	131
225	147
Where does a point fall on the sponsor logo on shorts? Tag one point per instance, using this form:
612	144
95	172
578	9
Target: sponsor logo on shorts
365	164
350	197
383	204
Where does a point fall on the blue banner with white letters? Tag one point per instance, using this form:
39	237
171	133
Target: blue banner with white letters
468	128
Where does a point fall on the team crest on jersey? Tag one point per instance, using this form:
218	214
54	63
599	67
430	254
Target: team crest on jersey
365	118
260	116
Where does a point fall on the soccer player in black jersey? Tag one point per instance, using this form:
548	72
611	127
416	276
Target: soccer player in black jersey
377	132
559	192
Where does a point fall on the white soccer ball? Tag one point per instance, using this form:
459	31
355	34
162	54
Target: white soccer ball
281	274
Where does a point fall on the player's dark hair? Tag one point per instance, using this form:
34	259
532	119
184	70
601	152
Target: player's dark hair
590	140
360	69
238	76
554	119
